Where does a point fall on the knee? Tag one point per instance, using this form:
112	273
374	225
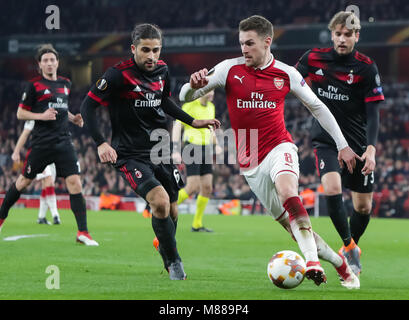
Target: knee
363	208
73	184
22	183
333	190
160	207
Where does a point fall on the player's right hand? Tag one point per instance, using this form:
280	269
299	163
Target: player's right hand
106	153
348	156
49	114
198	79
15	156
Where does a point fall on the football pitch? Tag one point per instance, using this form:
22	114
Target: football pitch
229	264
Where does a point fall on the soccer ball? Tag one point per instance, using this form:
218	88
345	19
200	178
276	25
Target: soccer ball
286	269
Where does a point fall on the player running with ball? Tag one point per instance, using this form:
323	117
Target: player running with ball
256	86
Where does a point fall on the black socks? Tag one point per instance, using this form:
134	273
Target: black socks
358	223
10	199
78	206
339	217
165	232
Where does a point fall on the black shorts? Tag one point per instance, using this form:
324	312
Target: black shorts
326	160
202	157
62	154
143	176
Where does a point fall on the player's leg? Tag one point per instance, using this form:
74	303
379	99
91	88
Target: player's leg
287	190
42	211
192	182
34	163
164	227
330	173
205	192
347	276
50	193
12	195
362	203
79	208
68	167
331	182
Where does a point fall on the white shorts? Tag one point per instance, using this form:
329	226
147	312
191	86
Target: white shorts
49	171
283	159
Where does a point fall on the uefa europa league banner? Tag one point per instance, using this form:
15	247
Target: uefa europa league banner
286	37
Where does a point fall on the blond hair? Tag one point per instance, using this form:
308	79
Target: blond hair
345	19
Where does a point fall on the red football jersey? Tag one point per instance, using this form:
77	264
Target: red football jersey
255	100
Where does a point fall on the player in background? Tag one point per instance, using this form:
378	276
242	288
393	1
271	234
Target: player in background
137	95
199	141
47	178
45	100
348	82
256	85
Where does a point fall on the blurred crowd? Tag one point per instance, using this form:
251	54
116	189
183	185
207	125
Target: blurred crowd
392	171
119	15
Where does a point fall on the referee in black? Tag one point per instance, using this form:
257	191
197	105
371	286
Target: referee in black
137	95
348	82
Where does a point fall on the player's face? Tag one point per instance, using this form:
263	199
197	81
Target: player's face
147	53
254	48
344	39
48	64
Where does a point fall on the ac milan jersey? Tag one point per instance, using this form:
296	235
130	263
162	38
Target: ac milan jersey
255	100
134	99
39	95
345	84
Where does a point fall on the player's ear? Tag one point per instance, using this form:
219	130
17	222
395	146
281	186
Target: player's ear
133	48
268	41
357	36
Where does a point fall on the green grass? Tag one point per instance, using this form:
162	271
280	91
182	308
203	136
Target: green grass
228	264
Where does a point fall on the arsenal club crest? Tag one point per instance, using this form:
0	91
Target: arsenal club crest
279	83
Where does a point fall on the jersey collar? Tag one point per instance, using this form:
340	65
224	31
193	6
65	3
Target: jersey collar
269	63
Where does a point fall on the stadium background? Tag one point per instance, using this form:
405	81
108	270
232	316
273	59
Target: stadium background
94	35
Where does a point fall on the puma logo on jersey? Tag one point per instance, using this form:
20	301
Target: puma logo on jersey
319	72
238	78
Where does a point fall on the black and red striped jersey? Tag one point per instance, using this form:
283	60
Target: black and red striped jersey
345	83
134	99
39	95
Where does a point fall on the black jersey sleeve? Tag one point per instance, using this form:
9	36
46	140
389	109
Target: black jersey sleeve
372	121
372	85
28	97
171	108
99	94
106	86
302	64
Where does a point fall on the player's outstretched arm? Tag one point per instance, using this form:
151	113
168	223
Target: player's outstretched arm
204	81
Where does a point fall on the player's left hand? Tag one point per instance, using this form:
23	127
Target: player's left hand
348	156
208	123
369	157
77	120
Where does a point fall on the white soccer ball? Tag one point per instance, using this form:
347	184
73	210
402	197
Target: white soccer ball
286	269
